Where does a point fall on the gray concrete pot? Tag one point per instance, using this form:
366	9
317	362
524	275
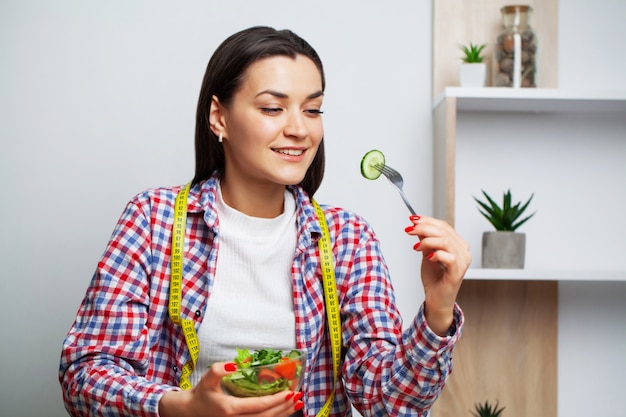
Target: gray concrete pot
503	250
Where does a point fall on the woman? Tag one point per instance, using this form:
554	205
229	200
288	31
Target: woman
251	270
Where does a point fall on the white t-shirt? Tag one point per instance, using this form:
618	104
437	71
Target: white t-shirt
251	302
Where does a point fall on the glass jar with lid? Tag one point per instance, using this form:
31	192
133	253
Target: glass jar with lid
515	63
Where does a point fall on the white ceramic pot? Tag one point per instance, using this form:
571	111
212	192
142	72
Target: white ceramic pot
472	74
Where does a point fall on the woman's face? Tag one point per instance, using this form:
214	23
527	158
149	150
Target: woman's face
273	126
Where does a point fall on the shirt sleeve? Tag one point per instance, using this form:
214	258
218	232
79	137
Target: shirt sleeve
425	364
388	371
106	354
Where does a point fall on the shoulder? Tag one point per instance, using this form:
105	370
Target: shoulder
341	215
337	218
157	195
154	199
164	198
147	210
344	223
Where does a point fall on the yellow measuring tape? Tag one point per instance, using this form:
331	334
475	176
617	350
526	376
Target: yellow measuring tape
191	338
332	304
177	258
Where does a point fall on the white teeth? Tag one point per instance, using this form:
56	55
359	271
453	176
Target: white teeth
291	152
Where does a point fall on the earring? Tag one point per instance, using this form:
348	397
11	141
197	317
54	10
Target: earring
219	138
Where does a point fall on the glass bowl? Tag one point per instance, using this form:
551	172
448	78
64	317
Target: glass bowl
265	372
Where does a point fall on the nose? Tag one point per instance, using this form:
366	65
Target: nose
295	125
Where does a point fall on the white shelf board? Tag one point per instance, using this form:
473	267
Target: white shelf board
544	275
500	99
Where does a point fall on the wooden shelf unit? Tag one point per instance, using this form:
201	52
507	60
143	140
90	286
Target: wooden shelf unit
509	348
508	351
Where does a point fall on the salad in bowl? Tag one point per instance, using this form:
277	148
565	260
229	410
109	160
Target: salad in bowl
265	371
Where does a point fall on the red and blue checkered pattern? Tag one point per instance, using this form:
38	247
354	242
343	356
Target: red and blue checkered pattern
123	352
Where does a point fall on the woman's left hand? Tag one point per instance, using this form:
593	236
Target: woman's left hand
445	260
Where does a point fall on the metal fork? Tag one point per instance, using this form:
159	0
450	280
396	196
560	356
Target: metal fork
396	180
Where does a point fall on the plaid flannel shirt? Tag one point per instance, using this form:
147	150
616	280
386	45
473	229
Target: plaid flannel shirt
123	352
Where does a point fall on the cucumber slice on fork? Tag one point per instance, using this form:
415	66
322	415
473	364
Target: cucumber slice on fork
370	161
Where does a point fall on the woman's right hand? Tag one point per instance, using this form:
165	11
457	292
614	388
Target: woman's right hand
208	399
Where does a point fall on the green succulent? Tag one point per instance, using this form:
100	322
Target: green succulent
507	217
486	410
472	53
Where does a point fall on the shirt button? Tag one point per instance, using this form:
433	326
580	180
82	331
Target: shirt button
175	368
198	313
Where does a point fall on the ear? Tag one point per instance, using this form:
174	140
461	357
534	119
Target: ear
216	117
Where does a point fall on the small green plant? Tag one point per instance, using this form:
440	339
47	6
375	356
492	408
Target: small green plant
486	410
472	54
507	217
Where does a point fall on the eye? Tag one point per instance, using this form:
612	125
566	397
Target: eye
271	110
314	112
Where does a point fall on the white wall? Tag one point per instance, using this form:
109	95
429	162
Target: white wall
97	102
592	334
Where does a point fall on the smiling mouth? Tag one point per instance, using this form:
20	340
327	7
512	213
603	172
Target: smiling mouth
290	152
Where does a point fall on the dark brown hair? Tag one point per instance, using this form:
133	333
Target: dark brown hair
224	75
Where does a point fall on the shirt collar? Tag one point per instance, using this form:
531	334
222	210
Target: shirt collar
202	195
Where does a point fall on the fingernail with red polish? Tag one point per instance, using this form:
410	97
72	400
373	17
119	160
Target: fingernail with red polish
230	367
409	229
430	255
414	218
416	246
289	395
298	406
297	397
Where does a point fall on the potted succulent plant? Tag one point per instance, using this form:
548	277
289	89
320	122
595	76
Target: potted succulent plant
487	410
504	248
472	70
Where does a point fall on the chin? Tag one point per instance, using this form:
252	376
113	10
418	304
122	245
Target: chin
292	179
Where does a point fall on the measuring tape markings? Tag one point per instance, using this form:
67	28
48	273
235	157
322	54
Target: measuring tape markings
332	304
177	258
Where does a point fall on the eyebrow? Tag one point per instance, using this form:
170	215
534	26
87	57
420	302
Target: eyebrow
278	94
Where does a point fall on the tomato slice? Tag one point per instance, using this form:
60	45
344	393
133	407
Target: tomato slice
268	376
286	368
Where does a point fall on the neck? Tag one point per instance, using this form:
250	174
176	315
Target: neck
255	200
